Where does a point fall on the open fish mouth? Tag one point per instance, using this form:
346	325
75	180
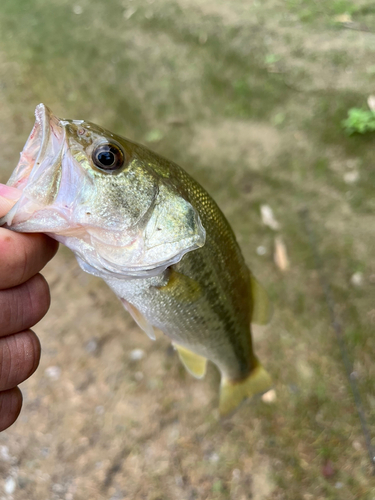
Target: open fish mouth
34	149
38	173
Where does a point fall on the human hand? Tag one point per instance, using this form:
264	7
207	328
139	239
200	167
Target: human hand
24	300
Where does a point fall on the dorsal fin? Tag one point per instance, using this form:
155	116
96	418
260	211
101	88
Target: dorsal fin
139	319
262	309
194	363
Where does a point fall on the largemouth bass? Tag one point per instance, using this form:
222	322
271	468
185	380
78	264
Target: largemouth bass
154	235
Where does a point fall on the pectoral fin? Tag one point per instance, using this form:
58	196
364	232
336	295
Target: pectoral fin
232	393
195	364
262	309
181	287
139	319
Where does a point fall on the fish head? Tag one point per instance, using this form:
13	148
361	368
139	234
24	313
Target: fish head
101	196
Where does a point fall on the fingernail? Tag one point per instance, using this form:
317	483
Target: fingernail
10	193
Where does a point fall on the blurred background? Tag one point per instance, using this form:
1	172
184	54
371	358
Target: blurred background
252	99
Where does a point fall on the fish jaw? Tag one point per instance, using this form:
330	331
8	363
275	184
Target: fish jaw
38	177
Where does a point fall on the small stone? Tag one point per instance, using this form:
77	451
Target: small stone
357	279
10	485
77	9
53	372
351	177
236	473
357	445
214	457
261	250
128	13
91	346
269	396
57	488
338	485
4	453
137	354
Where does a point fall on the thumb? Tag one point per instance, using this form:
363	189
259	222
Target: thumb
8	198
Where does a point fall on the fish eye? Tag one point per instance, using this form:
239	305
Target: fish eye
108	157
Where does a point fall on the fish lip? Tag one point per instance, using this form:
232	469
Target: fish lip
37	140
35	151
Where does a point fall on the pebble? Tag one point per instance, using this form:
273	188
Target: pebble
261	250
137	354
269	396
53	372
4	453
10	485
357	279
236	474
91	346
57	488
351	177
214	457
77	9
357	445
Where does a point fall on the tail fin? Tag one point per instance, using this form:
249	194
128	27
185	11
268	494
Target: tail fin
233	393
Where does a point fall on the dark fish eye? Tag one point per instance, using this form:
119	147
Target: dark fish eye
108	157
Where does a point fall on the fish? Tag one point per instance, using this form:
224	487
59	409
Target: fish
154	235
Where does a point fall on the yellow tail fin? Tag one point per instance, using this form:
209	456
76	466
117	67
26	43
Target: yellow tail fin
233	393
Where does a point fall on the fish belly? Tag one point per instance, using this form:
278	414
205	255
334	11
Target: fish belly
194	312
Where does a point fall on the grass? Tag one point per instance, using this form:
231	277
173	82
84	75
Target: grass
250	99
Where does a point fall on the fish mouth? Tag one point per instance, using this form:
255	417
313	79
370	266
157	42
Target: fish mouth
34	149
38	173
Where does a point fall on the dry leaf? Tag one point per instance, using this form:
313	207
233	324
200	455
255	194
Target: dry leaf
280	255
343	18
268	218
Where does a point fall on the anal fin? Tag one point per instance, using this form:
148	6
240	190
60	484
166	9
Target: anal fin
232	393
139	319
194	363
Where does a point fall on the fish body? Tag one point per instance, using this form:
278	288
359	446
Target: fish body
158	239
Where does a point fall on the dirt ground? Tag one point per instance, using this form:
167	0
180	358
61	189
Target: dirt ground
249	98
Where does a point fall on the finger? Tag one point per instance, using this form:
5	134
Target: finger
22	256
8	197
10	407
19	358
24	305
